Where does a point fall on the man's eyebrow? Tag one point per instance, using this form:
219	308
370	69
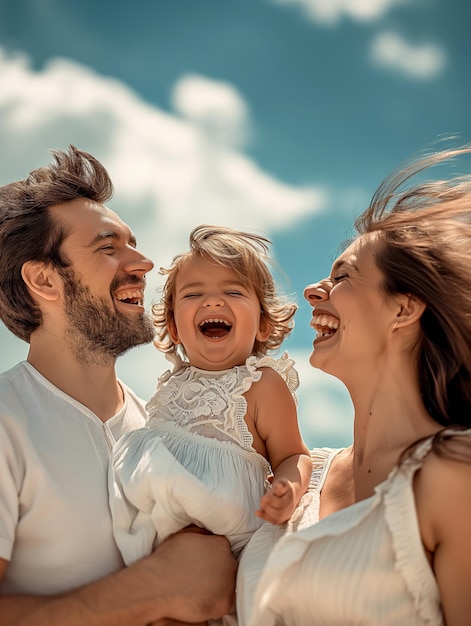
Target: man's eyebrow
110	234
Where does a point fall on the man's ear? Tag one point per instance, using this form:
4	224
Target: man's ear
173	332
264	329
410	311
41	279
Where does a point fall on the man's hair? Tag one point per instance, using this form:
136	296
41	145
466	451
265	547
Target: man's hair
29	233
424	235
247	255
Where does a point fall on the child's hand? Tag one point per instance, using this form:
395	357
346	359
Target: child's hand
278	504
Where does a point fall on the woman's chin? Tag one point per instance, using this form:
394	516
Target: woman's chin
319	361
316	360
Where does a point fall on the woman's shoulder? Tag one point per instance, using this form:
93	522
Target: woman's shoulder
447	468
442	488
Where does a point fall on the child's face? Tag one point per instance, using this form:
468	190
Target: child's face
217	316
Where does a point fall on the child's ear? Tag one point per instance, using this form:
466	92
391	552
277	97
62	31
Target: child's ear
41	280
410	310
173	332
264	329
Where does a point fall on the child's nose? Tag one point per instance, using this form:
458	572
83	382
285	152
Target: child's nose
213	301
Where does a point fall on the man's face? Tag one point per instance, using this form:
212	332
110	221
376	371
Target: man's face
104	285
95	328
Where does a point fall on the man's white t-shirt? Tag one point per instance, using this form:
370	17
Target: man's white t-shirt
55	523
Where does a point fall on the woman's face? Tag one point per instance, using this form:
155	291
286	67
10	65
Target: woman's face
352	314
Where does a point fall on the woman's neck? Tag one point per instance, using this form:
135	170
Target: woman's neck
389	415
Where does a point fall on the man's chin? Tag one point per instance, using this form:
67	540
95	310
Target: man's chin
138	342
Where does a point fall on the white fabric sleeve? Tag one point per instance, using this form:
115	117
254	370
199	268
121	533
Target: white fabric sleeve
12	469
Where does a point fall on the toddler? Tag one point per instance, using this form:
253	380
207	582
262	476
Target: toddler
222	447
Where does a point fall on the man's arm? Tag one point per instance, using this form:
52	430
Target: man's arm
190	578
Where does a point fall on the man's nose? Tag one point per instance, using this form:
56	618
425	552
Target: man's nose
137	263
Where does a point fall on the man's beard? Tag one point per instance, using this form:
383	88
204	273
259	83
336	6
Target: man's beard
97	332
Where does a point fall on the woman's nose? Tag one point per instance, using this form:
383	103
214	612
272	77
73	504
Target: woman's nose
317	292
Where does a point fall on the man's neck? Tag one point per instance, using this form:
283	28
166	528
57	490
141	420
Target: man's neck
93	385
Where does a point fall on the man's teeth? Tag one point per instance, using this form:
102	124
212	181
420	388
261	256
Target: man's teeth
134	295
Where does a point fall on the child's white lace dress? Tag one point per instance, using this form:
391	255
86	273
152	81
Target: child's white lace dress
194	461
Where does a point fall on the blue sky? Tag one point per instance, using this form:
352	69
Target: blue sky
280	116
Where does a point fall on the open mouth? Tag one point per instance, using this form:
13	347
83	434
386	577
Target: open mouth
325	325
215	328
130	296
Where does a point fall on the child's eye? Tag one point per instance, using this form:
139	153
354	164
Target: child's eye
191	295
233	292
338	278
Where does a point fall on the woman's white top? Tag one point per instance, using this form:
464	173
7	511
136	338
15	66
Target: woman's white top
364	565
194	462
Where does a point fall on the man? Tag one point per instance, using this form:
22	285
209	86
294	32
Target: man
72	284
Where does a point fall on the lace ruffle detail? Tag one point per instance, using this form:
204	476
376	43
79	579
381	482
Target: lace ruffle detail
212	404
306	513
284	366
321	460
401	518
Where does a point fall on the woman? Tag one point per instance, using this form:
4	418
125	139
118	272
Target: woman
393	540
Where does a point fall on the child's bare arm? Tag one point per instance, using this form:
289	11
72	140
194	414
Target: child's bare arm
279	503
276	422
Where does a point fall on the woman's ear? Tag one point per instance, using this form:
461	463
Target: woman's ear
173	332
41	280
410	311
264	329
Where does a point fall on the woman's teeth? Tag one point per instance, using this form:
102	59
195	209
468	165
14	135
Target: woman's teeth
325	325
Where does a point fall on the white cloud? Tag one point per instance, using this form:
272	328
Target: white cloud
331	11
389	50
214	106
169	174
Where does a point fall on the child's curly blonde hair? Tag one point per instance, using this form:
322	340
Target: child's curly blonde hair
246	254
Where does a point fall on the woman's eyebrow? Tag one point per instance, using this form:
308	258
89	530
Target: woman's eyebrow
340	263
